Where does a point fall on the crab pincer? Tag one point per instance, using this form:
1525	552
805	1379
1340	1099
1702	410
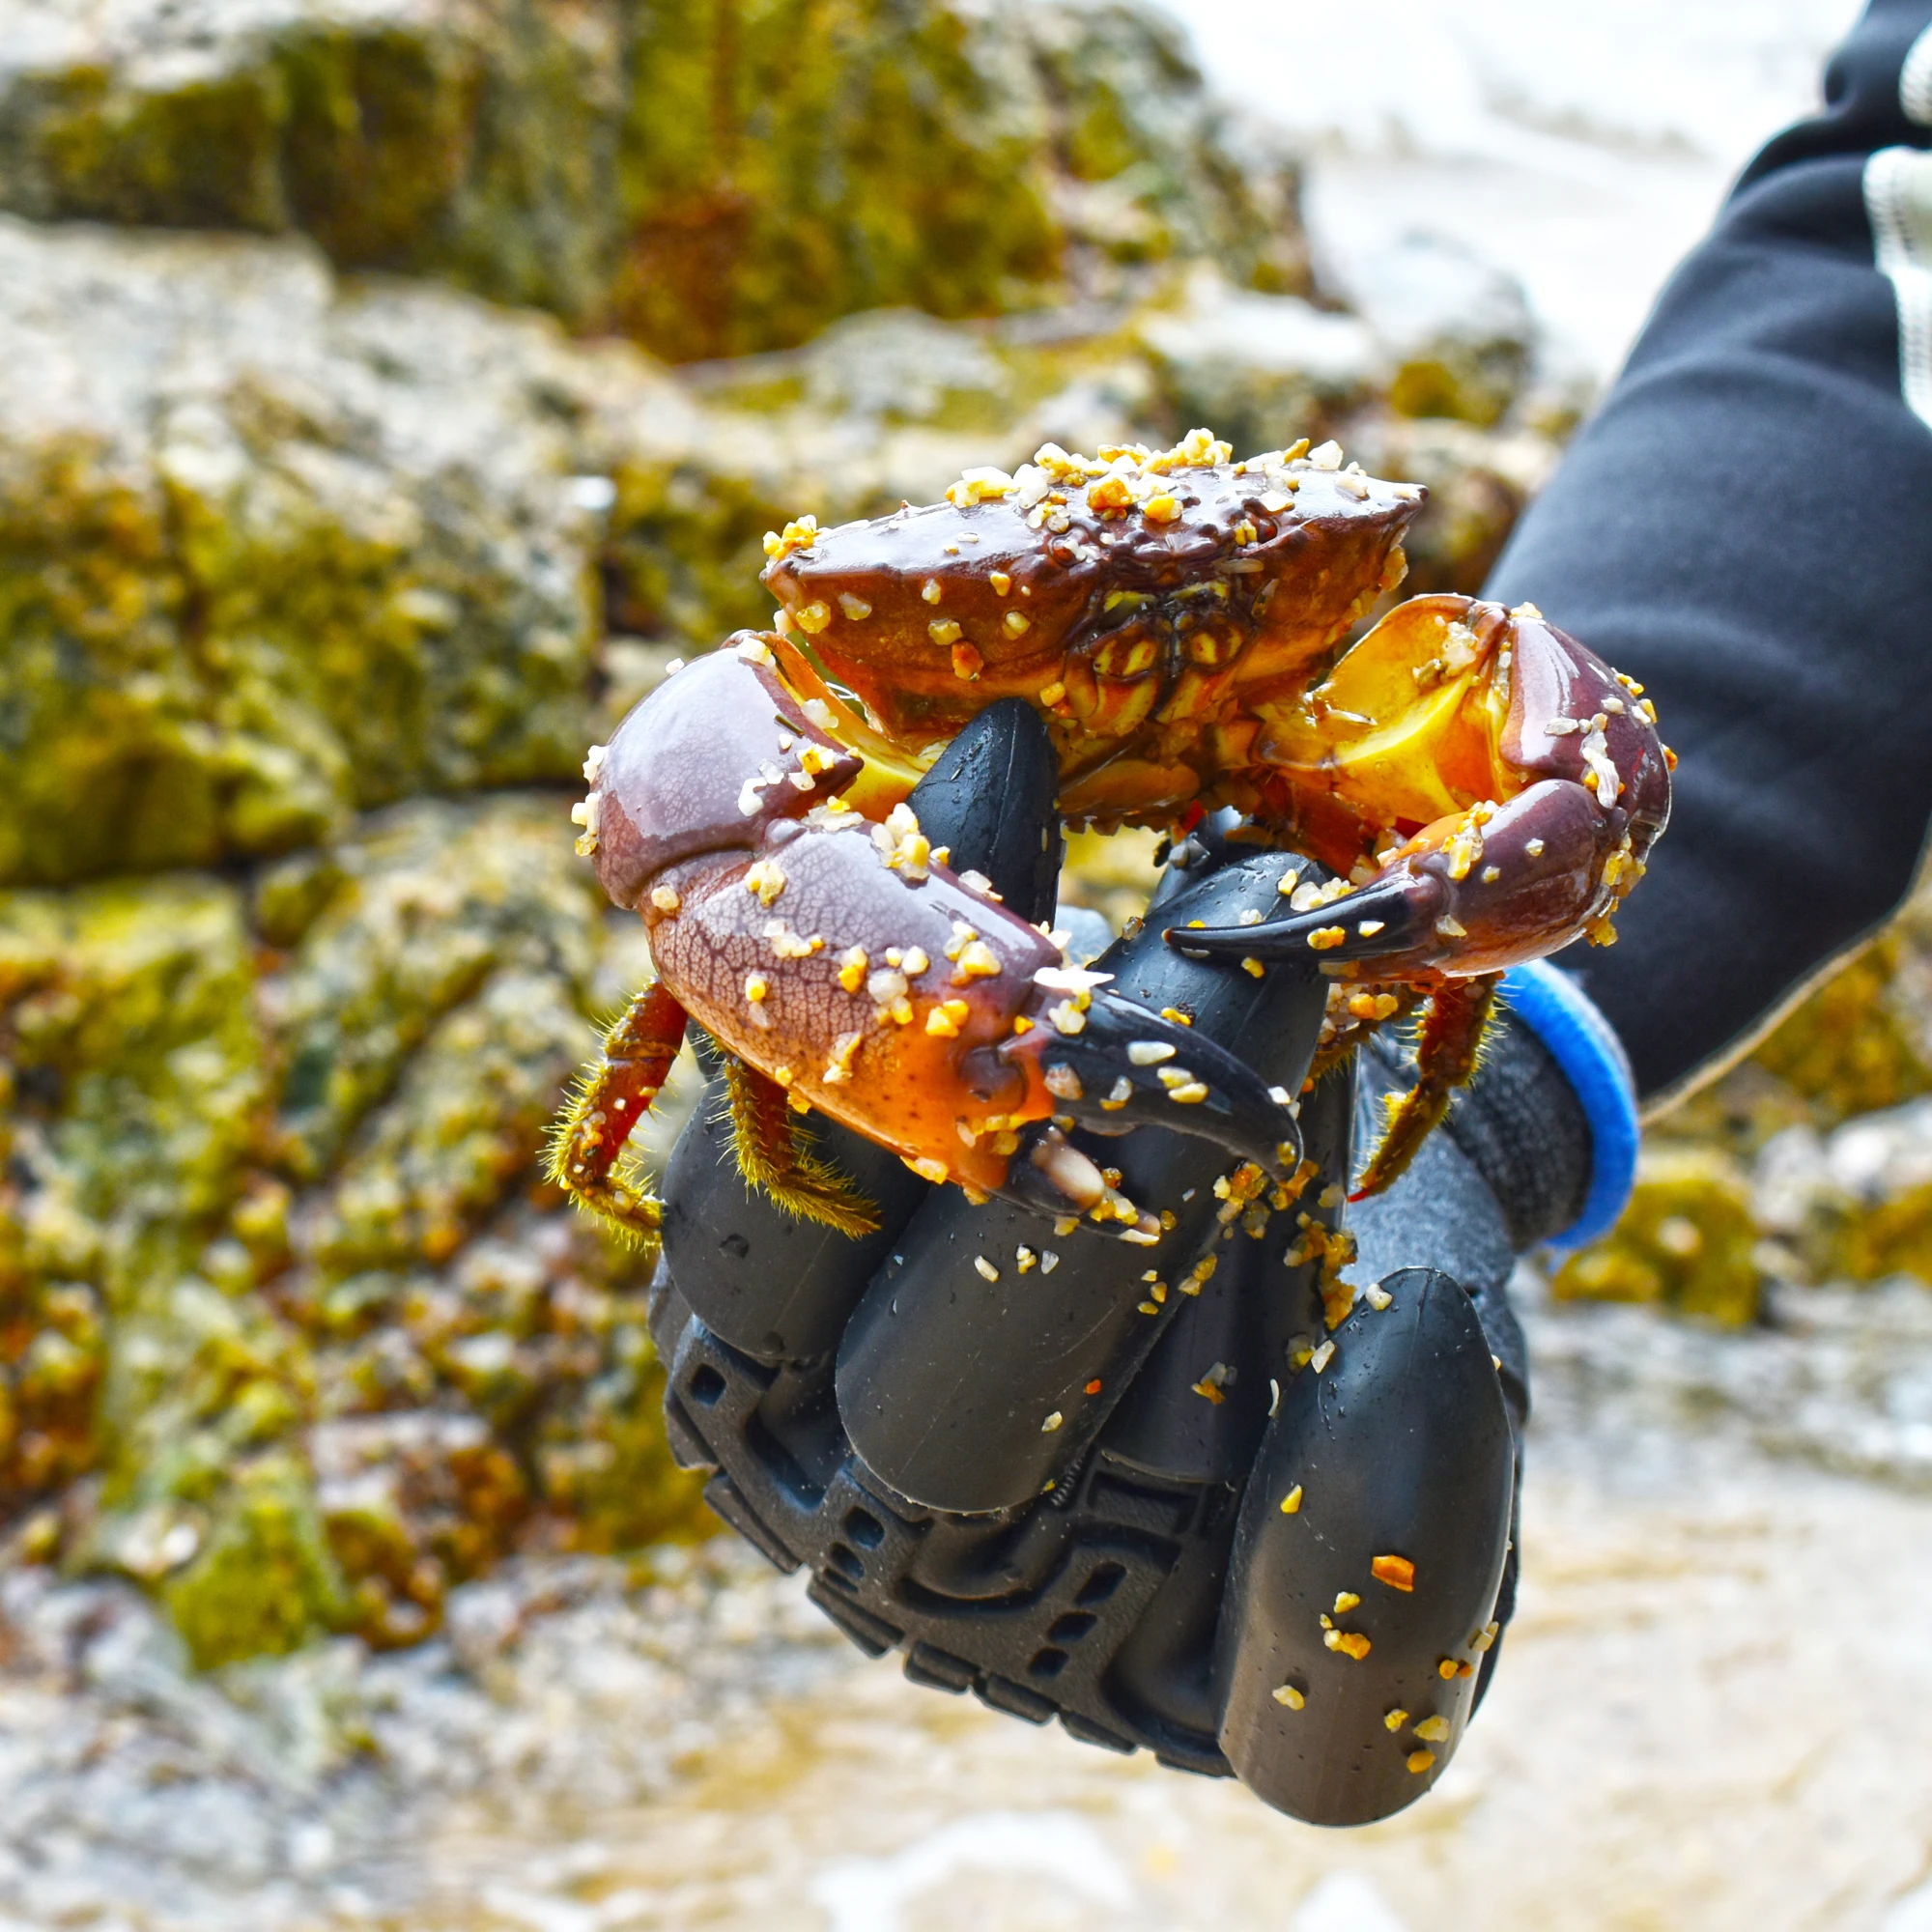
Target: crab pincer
831	950
1519	797
1119	1067
1556	786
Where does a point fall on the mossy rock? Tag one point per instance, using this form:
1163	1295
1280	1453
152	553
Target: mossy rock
269	555
1878	1239
1856	1047
291	1330
1147	165
265	1580
711	184
784	164
1686	1241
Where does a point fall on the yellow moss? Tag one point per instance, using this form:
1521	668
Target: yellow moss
1686	1241
785	163
1112	874
201	153
264	1580
1886	1238
274	1261
1849	1048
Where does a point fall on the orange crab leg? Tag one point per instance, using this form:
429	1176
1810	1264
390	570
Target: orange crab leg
1445	1053
775	1155
616	1093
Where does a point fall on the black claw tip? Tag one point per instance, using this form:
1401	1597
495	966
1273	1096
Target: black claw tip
1128	1068
1395	915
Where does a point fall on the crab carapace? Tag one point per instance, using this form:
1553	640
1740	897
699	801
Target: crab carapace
1482	788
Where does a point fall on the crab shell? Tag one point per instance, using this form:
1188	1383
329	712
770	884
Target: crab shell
1155	637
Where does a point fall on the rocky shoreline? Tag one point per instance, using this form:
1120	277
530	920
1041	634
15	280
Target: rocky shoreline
495	1777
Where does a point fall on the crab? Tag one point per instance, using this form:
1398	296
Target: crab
1475	787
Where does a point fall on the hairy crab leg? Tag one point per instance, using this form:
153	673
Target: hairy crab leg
843	959
616	1093
1529	776
1447	1050
775	1153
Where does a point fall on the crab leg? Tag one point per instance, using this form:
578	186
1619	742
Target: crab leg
616	1093
842	958
1507	780
1445	1053
774	1155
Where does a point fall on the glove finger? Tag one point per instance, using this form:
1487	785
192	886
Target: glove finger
774	1285
1440	1214
1368	1560
969	1377
779	1287
1197	1412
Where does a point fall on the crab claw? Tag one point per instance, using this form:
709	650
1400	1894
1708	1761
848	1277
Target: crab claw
1472	893
1527	776
1396	913
1115	1065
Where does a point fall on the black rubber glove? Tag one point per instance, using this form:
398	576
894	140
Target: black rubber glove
1146	1489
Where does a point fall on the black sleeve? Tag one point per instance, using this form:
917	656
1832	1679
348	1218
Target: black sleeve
1746	528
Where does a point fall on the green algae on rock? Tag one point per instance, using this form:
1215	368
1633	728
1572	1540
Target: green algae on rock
289	1330
477	138
1686	1241
782	165
270	553
711	184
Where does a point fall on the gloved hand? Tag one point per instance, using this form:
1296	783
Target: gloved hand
1151	1490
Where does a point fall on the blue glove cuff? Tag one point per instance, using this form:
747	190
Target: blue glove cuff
1583	1043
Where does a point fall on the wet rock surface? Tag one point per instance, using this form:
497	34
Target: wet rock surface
296	1338
294	1793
